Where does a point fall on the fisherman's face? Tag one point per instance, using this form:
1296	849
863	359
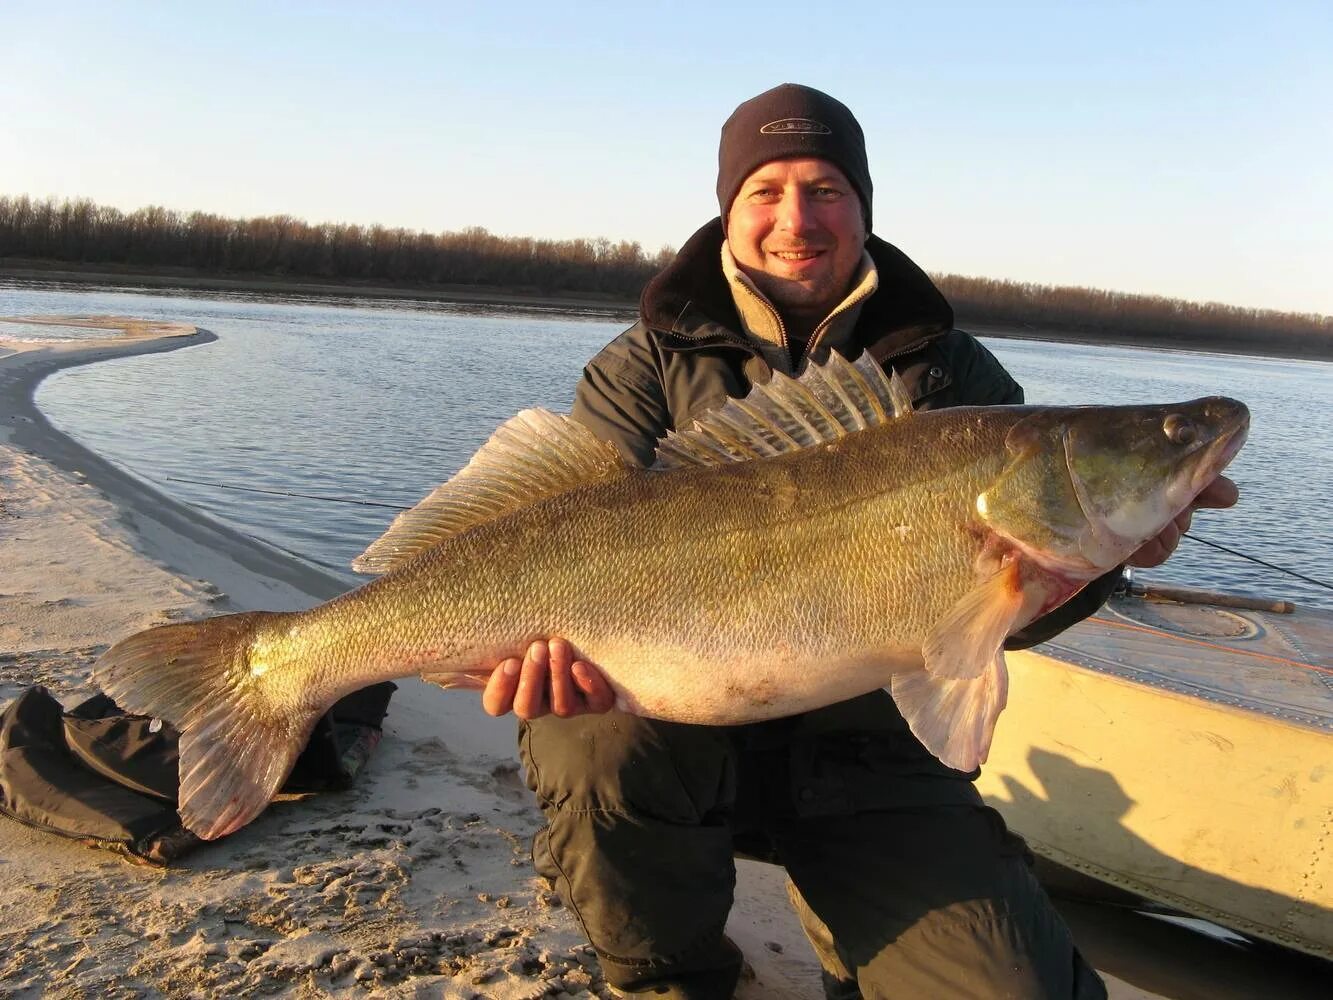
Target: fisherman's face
797	231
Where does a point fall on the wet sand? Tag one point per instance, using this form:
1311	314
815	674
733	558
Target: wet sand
481	295
417	881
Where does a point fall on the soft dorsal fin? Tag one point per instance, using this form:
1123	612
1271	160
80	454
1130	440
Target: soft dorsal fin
825	403
533	455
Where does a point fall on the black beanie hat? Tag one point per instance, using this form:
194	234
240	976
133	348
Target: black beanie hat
788	122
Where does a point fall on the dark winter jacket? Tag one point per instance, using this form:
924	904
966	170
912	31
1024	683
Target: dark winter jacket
687	354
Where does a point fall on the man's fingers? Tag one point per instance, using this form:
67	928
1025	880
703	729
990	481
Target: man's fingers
1169	538
1155	551
498	696
1221	492
530	700
565	701
547	679
596	692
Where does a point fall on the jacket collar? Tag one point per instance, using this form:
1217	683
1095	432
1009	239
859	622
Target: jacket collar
691	302
764	325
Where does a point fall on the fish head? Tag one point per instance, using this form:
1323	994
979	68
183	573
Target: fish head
1084	487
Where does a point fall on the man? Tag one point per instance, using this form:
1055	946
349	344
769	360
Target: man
907	885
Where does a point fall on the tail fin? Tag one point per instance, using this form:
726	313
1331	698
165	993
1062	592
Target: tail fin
239	736
954	718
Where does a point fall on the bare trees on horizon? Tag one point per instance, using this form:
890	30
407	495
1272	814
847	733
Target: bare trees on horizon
80	231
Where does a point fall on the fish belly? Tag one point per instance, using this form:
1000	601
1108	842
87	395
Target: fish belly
676	684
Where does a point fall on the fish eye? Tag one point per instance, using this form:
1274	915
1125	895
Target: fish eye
1179	429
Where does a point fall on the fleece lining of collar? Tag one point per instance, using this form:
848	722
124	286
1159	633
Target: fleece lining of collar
762	323
691	299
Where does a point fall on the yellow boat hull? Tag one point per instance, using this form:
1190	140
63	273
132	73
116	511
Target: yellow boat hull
1122	756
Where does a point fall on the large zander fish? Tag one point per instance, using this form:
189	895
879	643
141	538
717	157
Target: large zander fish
807	544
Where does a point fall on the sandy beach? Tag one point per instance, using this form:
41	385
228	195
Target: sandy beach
416	882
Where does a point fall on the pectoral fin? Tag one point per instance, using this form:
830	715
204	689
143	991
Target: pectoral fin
966	639
954	718
952	705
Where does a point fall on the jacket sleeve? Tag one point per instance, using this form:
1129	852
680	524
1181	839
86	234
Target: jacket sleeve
620	399
981	380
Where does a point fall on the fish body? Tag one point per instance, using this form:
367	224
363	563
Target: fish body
806	545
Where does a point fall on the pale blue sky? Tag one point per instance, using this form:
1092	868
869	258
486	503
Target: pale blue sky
1182	149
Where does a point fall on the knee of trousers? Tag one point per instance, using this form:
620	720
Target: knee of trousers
927	903
975	949
636	840
616	762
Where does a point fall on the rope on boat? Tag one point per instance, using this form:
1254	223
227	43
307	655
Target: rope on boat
398	506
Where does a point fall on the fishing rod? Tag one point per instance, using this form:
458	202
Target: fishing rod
397	506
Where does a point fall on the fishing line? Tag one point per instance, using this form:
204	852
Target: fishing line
398	506
1280	569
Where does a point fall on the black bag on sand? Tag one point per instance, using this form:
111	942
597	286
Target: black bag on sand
110	780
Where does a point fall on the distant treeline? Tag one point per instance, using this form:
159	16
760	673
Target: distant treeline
1145	319
82	232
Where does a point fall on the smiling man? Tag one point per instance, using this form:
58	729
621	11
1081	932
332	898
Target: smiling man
906	883
795	229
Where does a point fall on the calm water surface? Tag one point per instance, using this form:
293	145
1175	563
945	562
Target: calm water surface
383	400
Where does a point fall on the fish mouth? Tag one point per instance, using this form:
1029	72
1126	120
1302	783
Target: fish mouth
1219	453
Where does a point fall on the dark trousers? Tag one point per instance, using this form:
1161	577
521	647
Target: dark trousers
907	885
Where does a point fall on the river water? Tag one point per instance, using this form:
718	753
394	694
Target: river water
380	401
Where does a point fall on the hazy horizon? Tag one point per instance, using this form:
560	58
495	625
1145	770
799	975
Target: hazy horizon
1182	150
114	266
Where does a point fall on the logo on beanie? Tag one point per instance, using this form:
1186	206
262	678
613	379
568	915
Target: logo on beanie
787	126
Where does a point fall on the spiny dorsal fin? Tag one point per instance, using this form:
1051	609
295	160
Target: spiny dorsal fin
533	455
825	403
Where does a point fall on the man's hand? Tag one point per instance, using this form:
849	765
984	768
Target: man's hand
1221	492
547	679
